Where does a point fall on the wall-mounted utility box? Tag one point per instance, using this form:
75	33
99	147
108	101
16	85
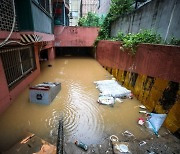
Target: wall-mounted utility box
44	93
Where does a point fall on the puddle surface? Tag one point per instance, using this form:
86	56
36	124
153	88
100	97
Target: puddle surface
84	118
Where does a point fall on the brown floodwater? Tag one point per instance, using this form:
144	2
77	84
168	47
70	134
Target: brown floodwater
84	118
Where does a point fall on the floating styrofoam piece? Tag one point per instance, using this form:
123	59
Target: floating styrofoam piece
142	107
145	112
118	100
106	100
155	122
112	88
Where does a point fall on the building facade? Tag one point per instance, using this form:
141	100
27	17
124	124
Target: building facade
103	7
89	6
74	14
26	38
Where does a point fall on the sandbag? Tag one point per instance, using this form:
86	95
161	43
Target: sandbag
112	88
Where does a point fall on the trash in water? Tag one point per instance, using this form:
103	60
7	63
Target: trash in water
118	100
112	88
155	122
106	100
145	112
81	145
113	79
49	65
128	134
142	107
114	138
130	96
142	143
141	121
119	147
122	148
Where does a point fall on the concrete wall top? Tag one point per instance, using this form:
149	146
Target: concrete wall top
73	36
162	16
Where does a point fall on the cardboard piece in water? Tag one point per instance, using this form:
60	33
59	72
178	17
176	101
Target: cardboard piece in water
32	144
44	93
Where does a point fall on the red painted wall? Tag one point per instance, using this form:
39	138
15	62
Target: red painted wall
51	54
4	91
75	36
152	60
6	96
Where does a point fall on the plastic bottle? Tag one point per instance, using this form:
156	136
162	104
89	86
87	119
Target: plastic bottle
81	145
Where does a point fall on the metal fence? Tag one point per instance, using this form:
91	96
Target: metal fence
7	16
17	63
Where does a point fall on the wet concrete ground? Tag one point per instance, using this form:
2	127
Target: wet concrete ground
165	144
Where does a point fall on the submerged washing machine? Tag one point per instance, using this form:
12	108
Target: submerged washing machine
44	93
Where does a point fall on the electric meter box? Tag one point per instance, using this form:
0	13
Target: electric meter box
44	93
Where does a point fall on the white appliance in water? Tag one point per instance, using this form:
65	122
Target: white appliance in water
44	93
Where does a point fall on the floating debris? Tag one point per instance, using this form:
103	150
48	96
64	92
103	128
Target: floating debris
142	143
112	88
118	100
142	107
44	93
119	147
128	134
155	122
106	100
141	121
81	145
145	112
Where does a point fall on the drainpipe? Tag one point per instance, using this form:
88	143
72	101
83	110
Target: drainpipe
170	21
64	14
50	7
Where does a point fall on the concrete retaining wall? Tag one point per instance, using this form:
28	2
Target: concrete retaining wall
152	75
160	15
75	36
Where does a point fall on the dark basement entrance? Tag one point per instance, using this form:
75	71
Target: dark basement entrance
75	51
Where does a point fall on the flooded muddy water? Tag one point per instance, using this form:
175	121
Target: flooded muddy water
84	118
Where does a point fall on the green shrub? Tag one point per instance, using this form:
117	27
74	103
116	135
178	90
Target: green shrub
92	20
130	41
174	41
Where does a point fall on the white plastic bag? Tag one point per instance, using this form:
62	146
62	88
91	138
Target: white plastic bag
155	122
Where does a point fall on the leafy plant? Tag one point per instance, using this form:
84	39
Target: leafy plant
174	41
130	41
117	8
92	20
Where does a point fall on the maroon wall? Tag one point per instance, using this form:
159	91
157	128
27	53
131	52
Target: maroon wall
152	60
6	95
75	36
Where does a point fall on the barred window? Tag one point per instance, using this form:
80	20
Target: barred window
17	63
45	4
